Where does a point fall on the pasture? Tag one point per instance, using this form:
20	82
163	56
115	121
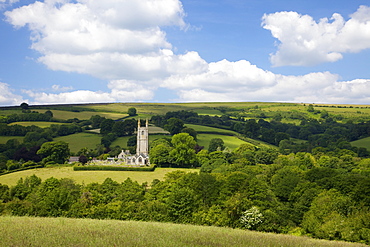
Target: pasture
33	231
84	115
4	139
80	140
232	142
206	129
87	177
362	143
38	124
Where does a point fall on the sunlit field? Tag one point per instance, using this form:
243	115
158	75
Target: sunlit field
28	231
87	177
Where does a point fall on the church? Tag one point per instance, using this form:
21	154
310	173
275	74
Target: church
141	158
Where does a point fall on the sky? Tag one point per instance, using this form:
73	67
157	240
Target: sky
94	51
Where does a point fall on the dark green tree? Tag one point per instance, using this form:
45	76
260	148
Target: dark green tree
183	154
174	125
106	126
191	132
215	144
57	152
131	111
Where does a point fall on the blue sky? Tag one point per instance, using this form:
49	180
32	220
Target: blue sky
84	51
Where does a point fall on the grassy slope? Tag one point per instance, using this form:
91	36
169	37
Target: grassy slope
28	231
39	124
80	140
87	177
231	142
365	143
4	139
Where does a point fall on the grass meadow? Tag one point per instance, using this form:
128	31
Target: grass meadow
39	124
87	177
232	142
84	115
362	143
29	231
80	140
206	129
4	139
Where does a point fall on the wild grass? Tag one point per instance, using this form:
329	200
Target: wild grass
80	140
28	231
87	177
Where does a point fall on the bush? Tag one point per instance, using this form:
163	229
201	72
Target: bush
113	168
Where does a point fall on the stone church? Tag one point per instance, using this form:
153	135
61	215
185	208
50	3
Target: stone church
141	158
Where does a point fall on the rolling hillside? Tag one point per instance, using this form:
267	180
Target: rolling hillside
22	231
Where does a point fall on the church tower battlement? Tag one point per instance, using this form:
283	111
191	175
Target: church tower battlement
142	138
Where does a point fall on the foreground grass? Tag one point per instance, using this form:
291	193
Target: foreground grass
87	177
28	231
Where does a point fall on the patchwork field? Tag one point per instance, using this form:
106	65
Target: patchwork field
31	231
87	177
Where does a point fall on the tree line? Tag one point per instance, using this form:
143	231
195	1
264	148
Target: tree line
327	133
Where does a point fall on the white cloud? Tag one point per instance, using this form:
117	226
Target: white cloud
107	39
120	91
58	88
7	97
123	42
304	42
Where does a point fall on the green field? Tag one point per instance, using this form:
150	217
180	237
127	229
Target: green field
80	140
206	129
362	143
87	177
232	142
30	231
4	139
84	115
39	124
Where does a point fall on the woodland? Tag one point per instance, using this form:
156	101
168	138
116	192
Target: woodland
300	177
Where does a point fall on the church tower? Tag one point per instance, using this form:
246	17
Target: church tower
142	138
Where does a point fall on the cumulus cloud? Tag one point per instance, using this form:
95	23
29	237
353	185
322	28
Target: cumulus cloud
7	97
304	41
107	39
120	91
241	81
124	43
